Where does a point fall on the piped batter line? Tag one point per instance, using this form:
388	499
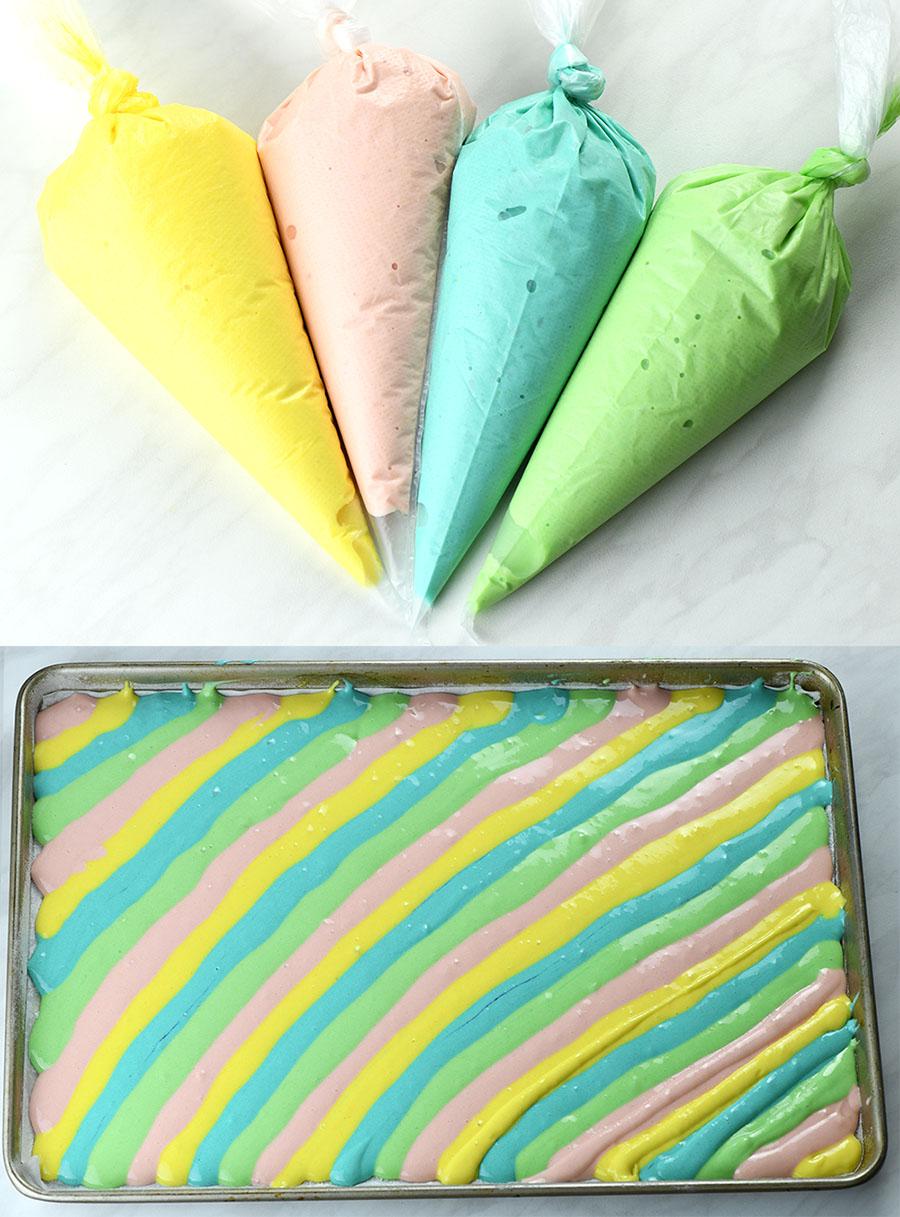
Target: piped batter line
840	1159
461	1160
830	1084
625	1161
106	767
532	712
533	873
84	839
541	700
269	743
644	1011
493	957
107	764
753	1087
461	956
151	716
117	829
469	745
578	1157
236	1168
108	714
562	1131
350	718
68	712
581	737
617	956
622	901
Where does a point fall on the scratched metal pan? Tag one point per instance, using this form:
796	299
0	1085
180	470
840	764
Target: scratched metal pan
51	683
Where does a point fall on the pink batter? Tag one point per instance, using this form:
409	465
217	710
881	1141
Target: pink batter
70	712
358	162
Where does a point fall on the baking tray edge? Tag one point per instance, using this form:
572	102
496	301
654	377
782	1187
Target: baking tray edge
96	677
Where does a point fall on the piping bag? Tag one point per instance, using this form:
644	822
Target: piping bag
160	224
738	282
358	162
549	200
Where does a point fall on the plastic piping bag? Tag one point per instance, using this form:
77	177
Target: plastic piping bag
358	162
738	283
160	224
549	199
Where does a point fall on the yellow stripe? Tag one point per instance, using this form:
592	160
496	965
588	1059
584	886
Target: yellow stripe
644	870
623	1162
842	1158
108	713
149	818
474	709
176	1160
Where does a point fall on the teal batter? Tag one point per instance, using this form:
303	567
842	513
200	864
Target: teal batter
549	199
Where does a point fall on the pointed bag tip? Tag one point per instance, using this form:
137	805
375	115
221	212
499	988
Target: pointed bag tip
353	548
493	584
360	558
430	574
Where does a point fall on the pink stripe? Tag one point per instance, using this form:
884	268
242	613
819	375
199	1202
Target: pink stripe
72	711
822	1129
577	1161
84	839
631	707
658	969
124	981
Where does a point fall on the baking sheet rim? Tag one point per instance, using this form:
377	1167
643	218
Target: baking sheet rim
437	673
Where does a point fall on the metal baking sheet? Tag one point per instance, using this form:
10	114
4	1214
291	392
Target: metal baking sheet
51	683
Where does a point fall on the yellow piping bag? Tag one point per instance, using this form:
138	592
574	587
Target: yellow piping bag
159	222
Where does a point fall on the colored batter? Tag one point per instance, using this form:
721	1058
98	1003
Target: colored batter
551	934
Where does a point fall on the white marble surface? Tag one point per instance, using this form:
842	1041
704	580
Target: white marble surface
871	678
122	521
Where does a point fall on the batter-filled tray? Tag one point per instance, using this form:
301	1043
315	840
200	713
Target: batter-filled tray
394	929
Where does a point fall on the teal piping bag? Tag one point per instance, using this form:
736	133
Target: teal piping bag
549	199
